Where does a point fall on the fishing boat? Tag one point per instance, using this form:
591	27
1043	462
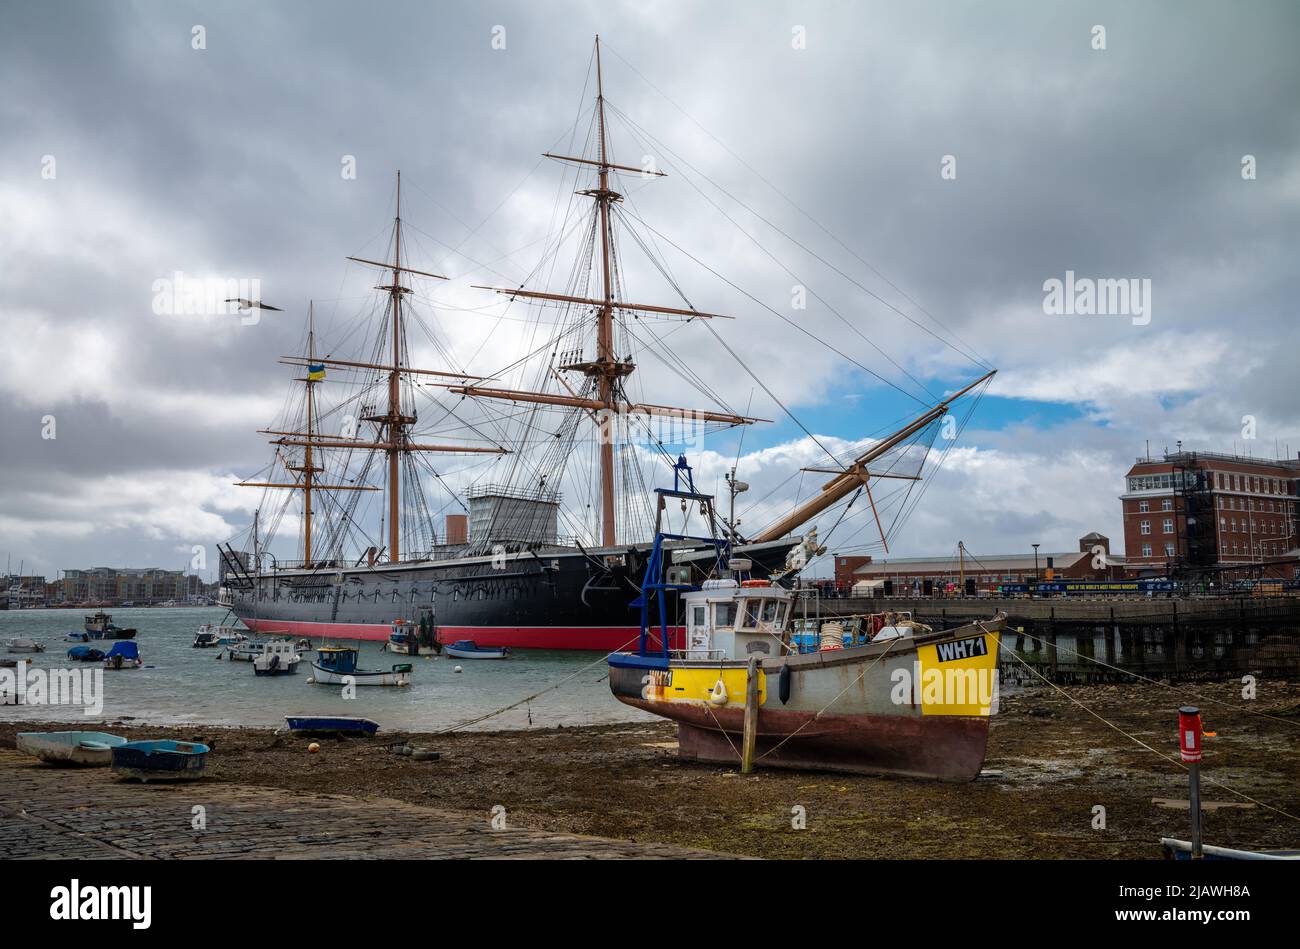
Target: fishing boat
526	566
400	638
206	638
101	626
277	659
162	760
337	665
92	749
123	655
330	725
467	649
213	634
247	650
86	653
914	704
1182	850
24	645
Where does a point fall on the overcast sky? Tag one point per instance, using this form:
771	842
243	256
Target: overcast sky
966	152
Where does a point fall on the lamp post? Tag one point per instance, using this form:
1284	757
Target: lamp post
1035	546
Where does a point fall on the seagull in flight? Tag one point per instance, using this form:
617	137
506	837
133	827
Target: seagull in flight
252	304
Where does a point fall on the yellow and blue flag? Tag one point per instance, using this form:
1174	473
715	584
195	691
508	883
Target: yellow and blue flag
316	373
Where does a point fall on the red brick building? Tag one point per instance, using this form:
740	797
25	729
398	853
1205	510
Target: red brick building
1092	561
1207	512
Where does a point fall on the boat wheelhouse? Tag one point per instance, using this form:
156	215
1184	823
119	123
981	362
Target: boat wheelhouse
280	657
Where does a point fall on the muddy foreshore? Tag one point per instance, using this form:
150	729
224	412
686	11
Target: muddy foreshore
1049	764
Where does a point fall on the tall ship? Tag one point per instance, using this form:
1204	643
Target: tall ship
515	508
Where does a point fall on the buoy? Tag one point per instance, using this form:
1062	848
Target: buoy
458	669
313	747
718	697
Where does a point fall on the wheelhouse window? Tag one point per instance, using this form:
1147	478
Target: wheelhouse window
699	616
752	608
724	614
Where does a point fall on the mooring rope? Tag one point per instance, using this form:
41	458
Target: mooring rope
528	698
1101	718
1163	685
808	722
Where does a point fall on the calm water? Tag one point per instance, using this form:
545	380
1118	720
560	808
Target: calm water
180	684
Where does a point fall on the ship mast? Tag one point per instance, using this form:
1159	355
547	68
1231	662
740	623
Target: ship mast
394	421
606	369
396	441
307	469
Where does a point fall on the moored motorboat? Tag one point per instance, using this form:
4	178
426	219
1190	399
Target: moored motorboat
91	749
12	663
246	650
337	665
467	649
123	655
205	638
161	760
22	644
279	658
101	626
330	725
85	653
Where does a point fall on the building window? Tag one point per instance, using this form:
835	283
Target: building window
1169	550
1144	506
1167	504
1144	527
1169	525
1146	550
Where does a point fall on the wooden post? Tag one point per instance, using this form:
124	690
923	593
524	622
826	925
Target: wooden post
750	737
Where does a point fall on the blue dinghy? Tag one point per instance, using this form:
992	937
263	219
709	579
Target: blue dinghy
162	760
468	649
85	654
329	725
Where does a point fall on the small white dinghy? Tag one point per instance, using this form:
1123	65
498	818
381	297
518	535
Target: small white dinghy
24	645
91	749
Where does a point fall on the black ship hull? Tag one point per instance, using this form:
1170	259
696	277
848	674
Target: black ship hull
564	599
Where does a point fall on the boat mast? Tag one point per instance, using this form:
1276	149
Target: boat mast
857	475
395	442
307	469
396	423
605	368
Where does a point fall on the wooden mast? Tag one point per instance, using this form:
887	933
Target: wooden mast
308	470
395	421
857	474
606	368
395	442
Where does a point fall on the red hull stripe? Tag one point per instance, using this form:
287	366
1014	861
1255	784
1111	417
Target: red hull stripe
596	638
